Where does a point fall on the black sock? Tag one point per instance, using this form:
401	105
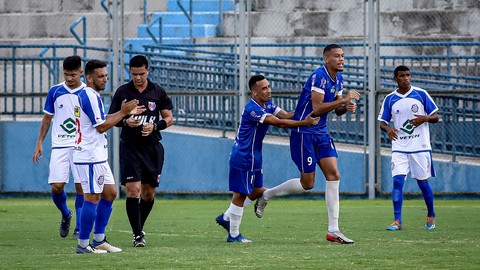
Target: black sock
145	208
133	213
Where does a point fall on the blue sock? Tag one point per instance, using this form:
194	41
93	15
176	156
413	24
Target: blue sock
89	213
60	201
78	209
104	210
397	196
427	197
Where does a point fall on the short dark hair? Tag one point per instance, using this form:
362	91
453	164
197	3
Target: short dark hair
73	62
329	47
91	65
139	61
399	68
254	79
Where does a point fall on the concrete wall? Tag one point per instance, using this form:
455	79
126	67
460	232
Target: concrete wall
200	164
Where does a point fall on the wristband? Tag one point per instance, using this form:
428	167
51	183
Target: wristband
161	125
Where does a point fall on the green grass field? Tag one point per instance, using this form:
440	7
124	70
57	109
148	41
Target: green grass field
182	234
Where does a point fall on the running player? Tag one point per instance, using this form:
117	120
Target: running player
311	146
246	176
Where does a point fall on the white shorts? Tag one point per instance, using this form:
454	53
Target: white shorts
61	164
94	176
419	164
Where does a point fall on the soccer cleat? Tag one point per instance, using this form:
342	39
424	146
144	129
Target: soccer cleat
430	223
105	245
395	226
260	205
139	240
76	234
88	250
65	225
238	239
338	237
222	222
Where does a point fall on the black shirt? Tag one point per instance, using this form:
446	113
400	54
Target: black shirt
154	98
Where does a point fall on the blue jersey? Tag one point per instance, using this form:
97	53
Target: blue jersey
321	82
247	148
402	108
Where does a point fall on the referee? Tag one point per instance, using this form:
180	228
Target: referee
141	153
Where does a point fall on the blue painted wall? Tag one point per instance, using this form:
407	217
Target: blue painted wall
200	164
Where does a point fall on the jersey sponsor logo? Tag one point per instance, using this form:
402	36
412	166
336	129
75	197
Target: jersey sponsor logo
407	127
414	108
323	83
145	119
152	106
253	114
69	126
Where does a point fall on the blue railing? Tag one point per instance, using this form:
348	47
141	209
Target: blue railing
203	86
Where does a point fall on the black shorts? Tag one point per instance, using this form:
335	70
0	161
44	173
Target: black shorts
141	162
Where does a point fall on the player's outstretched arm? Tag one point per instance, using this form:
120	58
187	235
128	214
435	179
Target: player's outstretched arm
288	123
127	108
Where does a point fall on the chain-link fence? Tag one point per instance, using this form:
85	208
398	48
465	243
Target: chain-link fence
284	40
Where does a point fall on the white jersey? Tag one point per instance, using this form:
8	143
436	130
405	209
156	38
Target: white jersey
90	145
61	101
402	108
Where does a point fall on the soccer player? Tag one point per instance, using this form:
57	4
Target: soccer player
312	145
141	153
90	158
246	176
411	109
59	106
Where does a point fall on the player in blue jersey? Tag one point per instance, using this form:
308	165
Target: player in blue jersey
59	106
411	109
90	158
312	145
246	177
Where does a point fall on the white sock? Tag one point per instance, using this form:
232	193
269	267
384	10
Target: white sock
291	186
247	202
235	214
332	198
83	242
98	237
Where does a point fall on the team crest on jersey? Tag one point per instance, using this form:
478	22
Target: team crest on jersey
77	111
414	108
152	106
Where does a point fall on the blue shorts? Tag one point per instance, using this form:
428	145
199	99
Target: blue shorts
243	181
307	149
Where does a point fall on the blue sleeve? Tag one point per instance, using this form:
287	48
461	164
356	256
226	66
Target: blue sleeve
430	106
386	110
50	102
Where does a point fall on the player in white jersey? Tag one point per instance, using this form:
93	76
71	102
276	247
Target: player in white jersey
90	158
411	109
59	106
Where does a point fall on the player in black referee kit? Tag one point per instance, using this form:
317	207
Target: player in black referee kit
141	153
